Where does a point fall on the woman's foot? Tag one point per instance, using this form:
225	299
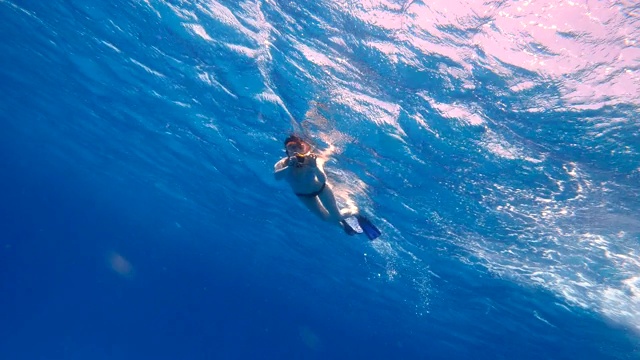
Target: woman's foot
349	212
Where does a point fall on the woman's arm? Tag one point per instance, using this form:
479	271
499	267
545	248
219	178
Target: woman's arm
280	169
319	169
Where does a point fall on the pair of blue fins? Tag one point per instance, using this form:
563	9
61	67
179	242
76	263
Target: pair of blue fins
359	224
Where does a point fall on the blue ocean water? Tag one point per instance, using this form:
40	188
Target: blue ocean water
496	145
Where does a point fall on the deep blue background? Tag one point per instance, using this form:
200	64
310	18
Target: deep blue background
98	160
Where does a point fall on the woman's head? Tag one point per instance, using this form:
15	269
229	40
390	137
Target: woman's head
294	144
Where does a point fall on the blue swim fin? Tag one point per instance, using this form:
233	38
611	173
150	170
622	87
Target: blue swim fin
368	228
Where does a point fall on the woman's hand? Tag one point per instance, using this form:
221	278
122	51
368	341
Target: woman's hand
293	161
312	160
309	160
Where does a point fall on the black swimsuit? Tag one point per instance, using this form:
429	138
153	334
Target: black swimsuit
315	193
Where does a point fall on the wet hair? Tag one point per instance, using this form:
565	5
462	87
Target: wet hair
293	138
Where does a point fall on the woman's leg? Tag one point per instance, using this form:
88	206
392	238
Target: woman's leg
329	202
313	203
